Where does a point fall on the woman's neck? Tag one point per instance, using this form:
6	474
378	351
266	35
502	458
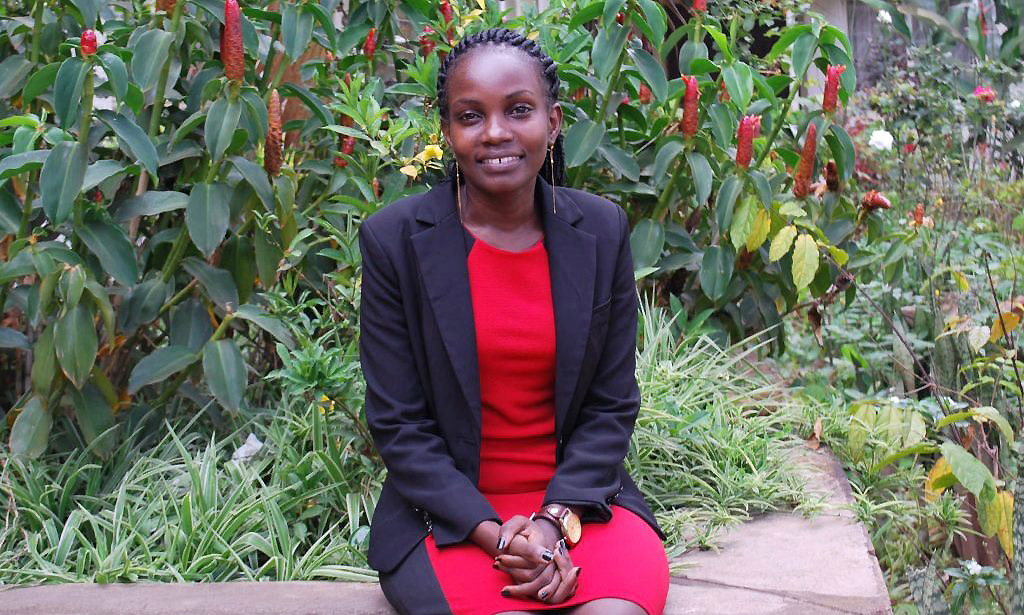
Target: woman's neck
508	221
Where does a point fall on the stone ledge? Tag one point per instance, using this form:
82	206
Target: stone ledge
777	564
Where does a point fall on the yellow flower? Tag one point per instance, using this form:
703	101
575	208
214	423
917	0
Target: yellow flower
431	152
410	170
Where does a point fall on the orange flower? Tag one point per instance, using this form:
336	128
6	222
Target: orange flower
802	180
232	54
272	146
691	112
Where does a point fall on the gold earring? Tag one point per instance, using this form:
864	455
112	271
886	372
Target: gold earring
551	161
458	192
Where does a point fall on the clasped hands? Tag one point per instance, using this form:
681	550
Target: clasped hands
534	555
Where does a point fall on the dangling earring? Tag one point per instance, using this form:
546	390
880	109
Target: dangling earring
551	161
458	191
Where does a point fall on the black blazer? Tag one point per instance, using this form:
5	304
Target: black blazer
419	358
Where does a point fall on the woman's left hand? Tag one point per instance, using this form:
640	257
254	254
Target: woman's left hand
527	547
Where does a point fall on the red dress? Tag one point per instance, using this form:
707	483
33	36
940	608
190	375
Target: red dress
515	334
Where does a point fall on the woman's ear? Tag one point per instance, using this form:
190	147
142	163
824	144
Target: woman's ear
445	134
554	122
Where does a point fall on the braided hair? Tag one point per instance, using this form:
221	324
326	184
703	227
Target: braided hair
549	74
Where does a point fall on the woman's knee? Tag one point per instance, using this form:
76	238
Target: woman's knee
609	606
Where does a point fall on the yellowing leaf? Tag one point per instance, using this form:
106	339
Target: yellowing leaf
759	231
805	261
977	337
791	208
483	4
781	242
989	510
410	170
838	255
1006	321
961	281
742	222
1005	531
940	477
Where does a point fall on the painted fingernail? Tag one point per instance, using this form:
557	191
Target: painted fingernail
561	547
543	594
495	565
578	571
506	593
501	543
547	556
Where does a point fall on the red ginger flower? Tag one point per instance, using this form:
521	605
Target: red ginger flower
426	43
272	146
88	42
802	179
700	5
750	127
166	5
644	94
232	53
690	110
984	94
830	99
874	200
370	46
446	11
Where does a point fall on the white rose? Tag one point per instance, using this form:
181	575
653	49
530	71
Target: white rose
884	17
881	140
1015	104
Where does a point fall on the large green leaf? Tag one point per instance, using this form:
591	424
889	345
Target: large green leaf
803	52
239	258
842	150
656	20
148	56
739	81
100	171
95	418
225	372
75	343
38	82
257	178
31	430
219	284
142	304
12	338
150	203
268	256
110	244
208	215
646	243
221	121
805	261
67	90
44	363
581	141
61	180
132	139
14	70
190	325
666	155
743	221
273	326
722	124
652	72
970	471
608	46
117	74
786	38
21	163
623	163
296	29
159	365
702	176
727	194
10	212
716	270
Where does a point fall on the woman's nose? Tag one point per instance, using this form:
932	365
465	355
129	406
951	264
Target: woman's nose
496	129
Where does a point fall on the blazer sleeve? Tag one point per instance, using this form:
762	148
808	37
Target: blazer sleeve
406	435
588	475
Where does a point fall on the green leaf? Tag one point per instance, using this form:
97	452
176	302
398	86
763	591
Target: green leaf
716	270
148	56
190	325
610	10
99	171
702	176
208	215
150	203
10	212
22	163
727	194
792	208
88	10
257	178
782	242
132	139
805	261
722	124
652	72
225	372
646	242
219	284
585	14
721	41
996	417
667	153
95	418
581	141
142	304
268	256
607	47
763	188
656	20
117	74
296	29
10	338
971	472
271	325
44	363
111	246
61	180
160	365
37	83
14	70
67	91
843	151
803	52
623	163
739	81
743	222
786	39
221	121
31	430
75	343
312	102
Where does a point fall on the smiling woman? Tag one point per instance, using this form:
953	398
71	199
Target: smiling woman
498	331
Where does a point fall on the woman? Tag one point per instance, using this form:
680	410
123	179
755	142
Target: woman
498	331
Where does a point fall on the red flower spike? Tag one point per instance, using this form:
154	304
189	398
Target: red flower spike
918	214
802	179
625	100
874	200
166	5
446	11
232	54
272	146
340	162
348	79
700	5
370	46
832	176
690	109
644	95
830	99
750	127
426	43
88	43
909	148
348	145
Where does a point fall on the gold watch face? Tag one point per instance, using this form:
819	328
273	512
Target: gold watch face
572	527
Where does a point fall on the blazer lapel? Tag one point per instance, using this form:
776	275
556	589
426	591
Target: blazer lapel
440	251
572	260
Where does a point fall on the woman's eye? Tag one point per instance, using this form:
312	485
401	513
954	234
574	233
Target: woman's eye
521	110
468	116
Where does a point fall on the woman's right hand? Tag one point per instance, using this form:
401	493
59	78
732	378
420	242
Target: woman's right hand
533	554
556	583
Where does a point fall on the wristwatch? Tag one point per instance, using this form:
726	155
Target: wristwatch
565	519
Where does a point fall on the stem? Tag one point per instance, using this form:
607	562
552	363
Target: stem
177	251
26	209
782	118
176	299
268	65
86	122
161	83
37	27
666	193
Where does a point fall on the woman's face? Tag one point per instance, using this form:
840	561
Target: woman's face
499	121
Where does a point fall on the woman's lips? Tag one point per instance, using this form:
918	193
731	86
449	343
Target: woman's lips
500	162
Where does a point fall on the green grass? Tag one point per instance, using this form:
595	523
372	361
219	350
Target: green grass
709	450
